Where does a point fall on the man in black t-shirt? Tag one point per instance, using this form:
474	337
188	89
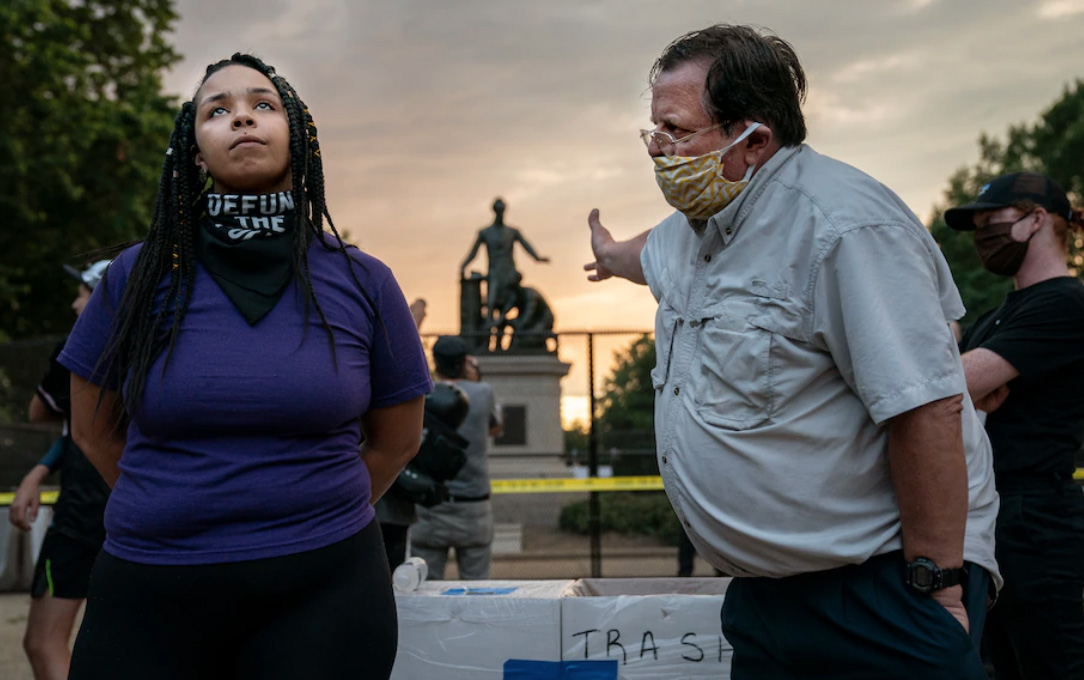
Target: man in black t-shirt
1024	364
76	534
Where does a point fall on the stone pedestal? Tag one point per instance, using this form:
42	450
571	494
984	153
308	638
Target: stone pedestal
528	387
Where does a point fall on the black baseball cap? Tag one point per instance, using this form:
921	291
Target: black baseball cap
1009	190
451	348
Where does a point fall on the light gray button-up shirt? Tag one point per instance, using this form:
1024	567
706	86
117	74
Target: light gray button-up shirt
803	317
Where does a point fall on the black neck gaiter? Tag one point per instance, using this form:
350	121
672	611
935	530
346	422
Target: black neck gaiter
246	243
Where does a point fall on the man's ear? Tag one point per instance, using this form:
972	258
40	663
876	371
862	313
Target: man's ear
757	143
1039	223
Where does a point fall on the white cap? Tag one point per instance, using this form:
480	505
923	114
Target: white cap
92	275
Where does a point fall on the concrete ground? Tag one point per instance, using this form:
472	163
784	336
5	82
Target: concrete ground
13	663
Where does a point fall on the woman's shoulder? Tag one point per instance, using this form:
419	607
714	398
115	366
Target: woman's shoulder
123	262
369	269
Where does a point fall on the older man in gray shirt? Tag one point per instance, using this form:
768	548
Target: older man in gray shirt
815	433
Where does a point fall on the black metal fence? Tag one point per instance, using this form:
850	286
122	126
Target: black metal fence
573	420
555	407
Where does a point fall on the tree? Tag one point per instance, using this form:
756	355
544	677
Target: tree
577	441
627	409
1054	146
627	424
83	125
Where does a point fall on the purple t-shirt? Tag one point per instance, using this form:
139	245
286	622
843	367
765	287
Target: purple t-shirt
248	446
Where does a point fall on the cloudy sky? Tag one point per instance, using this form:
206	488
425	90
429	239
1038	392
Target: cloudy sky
428	109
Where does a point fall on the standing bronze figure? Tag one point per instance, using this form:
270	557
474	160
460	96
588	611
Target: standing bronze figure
503	290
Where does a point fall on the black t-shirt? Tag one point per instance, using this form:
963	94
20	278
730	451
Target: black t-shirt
1040	331
79	510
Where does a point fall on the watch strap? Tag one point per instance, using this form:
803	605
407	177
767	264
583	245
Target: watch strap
953	577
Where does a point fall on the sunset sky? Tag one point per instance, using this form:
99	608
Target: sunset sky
428	109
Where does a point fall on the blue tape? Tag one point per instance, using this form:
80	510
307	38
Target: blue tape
523	669
480	591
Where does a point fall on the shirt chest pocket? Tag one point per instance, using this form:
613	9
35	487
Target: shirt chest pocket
666	323
734	387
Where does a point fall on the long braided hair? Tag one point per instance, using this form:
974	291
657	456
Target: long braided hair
142	330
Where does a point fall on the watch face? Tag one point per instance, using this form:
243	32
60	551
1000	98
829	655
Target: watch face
921	576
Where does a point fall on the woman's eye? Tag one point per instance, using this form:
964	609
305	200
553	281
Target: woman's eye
266	106
216	111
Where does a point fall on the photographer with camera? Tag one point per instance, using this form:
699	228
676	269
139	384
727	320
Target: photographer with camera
464	519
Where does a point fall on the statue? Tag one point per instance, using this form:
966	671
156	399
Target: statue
499	240
471	315
533	324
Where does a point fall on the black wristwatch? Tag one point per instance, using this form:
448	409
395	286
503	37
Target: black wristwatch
926	577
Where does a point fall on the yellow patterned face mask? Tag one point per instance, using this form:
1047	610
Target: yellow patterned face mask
695	186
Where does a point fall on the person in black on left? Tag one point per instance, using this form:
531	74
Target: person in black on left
62	572
1024	365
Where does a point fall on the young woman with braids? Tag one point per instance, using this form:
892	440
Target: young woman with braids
219	375
1024	364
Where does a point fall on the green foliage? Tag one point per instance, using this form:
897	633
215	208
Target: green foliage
577	439
1054	145
626	424
83	126
637	513
627	407
626	431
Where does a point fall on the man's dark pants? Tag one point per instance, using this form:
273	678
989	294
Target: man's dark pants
855	622
1036	629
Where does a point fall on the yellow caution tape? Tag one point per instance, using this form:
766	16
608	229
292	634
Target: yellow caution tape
564	485
645	483
47	498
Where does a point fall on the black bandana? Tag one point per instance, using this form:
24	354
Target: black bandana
246	243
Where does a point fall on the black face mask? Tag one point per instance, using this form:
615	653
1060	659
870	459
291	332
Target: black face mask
1000	254
246	243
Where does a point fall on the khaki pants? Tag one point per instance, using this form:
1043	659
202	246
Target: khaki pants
467	527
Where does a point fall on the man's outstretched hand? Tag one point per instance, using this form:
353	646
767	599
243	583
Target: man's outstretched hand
601	240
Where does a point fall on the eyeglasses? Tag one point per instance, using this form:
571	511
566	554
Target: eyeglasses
666	142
